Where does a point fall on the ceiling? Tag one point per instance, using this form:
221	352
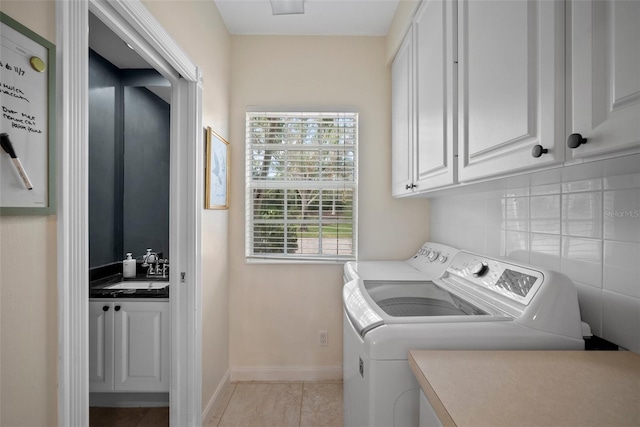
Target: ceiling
111	47
321	17
107	44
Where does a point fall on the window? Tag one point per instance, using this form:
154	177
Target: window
301	186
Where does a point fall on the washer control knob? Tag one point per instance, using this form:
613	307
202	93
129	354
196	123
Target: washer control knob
443	258
433	256
480	269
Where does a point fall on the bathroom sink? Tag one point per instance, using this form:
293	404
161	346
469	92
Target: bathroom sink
139	285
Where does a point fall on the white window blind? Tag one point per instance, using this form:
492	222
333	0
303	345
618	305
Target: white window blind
301	186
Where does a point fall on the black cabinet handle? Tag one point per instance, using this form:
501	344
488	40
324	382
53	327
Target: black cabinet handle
410	186
117	308
575	140
105	308
538	150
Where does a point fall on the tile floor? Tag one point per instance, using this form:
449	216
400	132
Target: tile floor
247	404
284	404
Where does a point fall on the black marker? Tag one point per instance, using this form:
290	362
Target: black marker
8	147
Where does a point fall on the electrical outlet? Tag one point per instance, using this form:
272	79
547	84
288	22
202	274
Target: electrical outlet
323	339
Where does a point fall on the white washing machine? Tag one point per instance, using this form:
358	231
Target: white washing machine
456	301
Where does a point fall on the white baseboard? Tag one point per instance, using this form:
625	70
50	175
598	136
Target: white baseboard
129	400
286	373
217	395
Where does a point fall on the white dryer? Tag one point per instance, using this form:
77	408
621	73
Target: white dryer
474	302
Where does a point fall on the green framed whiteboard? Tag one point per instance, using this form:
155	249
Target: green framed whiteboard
27	124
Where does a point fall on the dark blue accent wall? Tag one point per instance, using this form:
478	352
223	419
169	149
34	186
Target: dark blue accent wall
129	138
105	150
146	172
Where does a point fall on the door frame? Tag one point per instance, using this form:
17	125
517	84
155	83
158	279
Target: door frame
135	25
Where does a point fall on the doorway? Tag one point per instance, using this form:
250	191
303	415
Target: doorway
130	20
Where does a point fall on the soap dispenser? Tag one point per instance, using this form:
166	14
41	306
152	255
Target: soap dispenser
129	267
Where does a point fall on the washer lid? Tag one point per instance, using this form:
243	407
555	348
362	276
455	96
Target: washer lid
362	316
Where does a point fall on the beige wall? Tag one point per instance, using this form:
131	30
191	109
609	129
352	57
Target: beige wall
28	289
274	311
277	310
199	29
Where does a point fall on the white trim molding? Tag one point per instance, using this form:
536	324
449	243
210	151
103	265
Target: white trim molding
130	20
72	213
217	398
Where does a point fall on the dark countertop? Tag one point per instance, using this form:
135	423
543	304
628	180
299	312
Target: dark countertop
97	287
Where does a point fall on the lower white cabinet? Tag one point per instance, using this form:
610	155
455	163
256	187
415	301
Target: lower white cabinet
129	345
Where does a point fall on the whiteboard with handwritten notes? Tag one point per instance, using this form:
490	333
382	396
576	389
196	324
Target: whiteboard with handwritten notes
27	98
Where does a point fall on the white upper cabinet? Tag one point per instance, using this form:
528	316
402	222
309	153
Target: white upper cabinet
510	82
423	102
479	89
434	35
402	132
605	79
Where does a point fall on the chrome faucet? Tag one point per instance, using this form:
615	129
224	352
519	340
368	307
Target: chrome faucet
165	268
158	267
151	258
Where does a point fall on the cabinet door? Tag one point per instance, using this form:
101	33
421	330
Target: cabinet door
435	40
141	347
100	346
605	76
402	133
511	92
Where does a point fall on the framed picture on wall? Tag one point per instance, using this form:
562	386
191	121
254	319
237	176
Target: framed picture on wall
216	171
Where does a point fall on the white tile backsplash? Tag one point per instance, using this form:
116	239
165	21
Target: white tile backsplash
517	213
621	320
581	259
584	185
495	242
587	229
622	182
545	251
582	214
495	213
590	299
622	215
476	236
545	189
622	268
517	243
545	214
